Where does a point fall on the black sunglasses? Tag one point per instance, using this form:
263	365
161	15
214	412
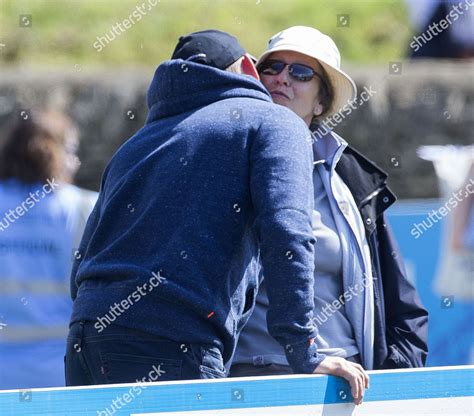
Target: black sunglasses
299	72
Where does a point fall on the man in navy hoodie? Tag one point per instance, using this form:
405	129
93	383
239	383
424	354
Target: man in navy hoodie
218	180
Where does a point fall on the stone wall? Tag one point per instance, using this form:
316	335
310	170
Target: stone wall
420	103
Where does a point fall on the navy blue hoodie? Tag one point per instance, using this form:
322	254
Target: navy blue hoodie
218	180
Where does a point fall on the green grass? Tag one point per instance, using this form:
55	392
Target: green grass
63	31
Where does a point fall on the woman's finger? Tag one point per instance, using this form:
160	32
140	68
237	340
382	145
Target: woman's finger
354	381
364	374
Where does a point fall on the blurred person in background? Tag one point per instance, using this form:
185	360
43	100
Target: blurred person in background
42	217
366	310
463	222
456	260
444	28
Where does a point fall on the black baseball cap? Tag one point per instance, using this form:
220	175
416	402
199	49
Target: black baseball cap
209	47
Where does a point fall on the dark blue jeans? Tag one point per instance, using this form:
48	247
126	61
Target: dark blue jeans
123	355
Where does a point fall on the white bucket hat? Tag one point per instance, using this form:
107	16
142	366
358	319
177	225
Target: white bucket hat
317	45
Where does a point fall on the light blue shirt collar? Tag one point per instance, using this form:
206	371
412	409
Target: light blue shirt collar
328	149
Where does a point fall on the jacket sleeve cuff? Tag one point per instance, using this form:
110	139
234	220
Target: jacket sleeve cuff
303	357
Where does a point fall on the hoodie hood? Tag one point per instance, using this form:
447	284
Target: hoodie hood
180	86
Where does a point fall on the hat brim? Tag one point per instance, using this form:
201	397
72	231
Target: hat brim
343	87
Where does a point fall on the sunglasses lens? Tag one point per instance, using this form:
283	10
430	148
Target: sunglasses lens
298	72
301	72
272	67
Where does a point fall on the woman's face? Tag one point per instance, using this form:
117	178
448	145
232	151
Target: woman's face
300	97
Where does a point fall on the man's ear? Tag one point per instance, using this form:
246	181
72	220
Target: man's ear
248	67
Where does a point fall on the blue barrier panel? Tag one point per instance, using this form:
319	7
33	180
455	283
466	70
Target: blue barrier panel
423	257
429	391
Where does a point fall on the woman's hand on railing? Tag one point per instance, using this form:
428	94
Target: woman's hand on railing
354	373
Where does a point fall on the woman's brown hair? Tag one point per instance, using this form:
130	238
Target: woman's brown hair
326	96
38	148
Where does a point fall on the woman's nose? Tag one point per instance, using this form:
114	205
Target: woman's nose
283	78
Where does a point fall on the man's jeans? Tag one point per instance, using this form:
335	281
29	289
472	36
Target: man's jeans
123	355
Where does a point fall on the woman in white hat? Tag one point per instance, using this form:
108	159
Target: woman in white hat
366	311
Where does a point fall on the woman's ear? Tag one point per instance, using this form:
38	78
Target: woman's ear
318	107
248	67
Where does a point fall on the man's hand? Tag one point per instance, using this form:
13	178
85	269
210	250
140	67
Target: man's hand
352	372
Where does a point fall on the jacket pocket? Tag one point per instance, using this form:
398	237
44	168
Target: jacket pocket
396	359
